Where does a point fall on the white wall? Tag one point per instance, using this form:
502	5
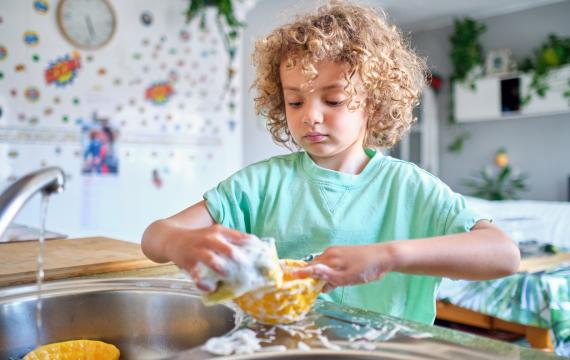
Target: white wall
193	141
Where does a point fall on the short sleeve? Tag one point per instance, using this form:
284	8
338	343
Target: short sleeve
459	217
228	204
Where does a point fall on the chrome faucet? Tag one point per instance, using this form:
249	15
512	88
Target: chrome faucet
49	180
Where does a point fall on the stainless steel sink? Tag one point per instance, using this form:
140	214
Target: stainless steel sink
144	318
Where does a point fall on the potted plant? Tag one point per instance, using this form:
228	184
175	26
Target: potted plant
503	184
553	53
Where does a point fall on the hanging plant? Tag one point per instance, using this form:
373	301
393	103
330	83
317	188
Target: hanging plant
226	22
552	54
467	60
466	54
500	184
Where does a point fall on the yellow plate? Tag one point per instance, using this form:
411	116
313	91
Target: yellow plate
76	350
285	304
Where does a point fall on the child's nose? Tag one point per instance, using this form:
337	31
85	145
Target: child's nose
312	116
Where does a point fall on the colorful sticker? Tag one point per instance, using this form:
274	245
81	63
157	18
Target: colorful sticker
35	57
102	71
31	38
3	52
159	92
20	68
32	94
41	6
146	18
64	70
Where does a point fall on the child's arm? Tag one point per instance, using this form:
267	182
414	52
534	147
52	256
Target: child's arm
483	253
189	237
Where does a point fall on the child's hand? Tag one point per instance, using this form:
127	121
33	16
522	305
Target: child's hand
210	245
349	265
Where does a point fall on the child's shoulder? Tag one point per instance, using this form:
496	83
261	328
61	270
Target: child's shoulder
406	169
275	161
279	163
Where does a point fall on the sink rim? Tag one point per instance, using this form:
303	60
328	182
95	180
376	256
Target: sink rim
78	286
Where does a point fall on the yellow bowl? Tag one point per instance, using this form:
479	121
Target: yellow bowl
285	304
76	350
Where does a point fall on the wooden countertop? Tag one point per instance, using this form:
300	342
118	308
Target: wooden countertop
66	258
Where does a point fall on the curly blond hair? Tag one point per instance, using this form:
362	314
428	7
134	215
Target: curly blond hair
340	31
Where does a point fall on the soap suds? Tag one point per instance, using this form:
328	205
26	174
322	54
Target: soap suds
254	265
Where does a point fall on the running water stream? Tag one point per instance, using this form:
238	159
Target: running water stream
40	267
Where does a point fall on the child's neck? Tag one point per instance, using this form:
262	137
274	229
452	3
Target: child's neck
349	163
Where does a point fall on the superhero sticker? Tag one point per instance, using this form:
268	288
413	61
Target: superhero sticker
159	93
63	70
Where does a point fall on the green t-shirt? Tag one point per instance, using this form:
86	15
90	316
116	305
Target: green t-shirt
307	208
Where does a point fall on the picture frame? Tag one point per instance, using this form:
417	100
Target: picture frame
499	62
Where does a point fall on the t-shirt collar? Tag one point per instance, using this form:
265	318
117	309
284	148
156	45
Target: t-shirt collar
315	172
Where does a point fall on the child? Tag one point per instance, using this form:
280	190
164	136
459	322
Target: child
337	84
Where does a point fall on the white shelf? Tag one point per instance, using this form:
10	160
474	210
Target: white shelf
485	102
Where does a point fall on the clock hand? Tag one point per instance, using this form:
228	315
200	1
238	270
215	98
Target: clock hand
90	26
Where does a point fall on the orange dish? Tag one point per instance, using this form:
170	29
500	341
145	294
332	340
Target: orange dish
76	350
285	304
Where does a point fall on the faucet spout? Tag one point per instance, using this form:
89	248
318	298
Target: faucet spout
49	180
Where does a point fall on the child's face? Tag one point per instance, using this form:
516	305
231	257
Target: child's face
317	115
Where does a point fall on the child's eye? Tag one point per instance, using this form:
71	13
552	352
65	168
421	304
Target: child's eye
294	104
335	102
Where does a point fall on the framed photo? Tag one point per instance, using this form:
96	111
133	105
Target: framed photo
499	61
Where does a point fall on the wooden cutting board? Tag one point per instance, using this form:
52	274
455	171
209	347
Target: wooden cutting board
64	258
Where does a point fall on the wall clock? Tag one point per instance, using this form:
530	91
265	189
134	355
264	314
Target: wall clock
87	24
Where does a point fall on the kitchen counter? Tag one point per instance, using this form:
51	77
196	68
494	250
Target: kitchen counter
330	327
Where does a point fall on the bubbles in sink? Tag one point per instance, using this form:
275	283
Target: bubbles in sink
243	341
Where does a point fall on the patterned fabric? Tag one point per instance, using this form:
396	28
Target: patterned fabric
538	299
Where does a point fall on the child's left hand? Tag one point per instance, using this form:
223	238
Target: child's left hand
349	265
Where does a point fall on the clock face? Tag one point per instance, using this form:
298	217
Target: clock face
87	24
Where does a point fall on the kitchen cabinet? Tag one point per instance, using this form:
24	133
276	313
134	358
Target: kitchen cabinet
499	98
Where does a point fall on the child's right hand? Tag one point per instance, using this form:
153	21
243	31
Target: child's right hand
211	245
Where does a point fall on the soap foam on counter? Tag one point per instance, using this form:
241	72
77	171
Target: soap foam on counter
306	333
